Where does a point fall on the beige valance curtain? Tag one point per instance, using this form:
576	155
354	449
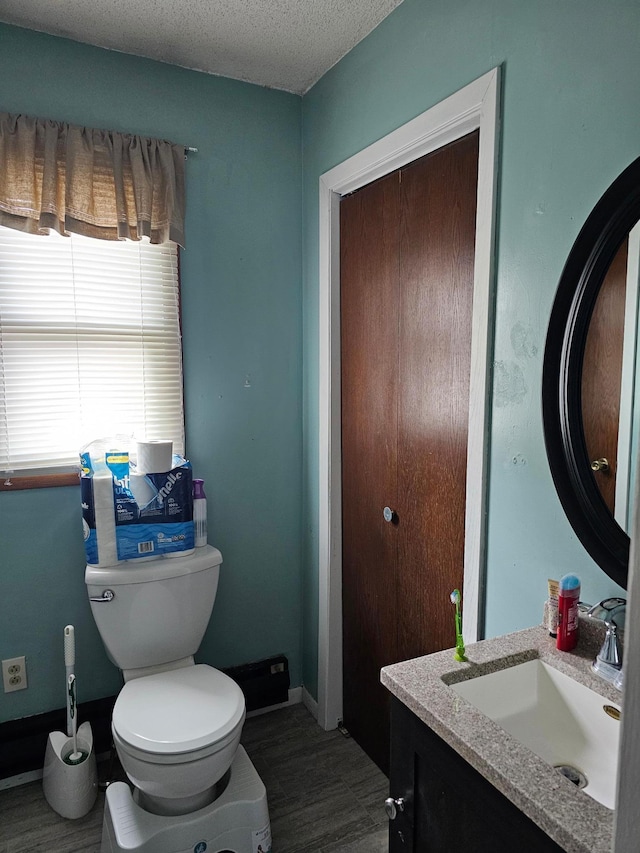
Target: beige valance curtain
93	182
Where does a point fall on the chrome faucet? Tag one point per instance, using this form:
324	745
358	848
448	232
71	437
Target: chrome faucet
608	662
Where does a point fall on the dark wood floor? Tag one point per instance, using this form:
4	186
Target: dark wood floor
325	795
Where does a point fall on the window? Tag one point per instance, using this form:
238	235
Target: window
90	347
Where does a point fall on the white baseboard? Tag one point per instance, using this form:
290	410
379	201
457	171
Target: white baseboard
34	775
296	695
20	779
309	702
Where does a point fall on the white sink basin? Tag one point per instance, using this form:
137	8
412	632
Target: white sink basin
554	716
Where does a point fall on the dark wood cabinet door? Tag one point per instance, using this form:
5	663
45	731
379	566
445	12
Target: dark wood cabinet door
449	805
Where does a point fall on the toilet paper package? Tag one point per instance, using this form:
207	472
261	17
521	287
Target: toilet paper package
130	515
161	523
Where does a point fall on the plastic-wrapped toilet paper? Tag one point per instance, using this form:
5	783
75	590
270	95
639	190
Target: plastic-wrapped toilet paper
129	514
105	520
141	488
98	519
154	457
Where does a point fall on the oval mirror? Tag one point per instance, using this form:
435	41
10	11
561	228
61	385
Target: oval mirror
588	383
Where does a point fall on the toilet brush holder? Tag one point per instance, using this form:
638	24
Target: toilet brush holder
70	788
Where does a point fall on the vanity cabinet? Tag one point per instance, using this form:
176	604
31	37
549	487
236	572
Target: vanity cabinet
448	805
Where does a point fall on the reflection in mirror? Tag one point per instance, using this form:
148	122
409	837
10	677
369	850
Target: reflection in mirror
612	223
608	380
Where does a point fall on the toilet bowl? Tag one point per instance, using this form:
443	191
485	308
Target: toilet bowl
176	724
176	734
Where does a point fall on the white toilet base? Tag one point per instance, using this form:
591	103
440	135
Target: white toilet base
237	822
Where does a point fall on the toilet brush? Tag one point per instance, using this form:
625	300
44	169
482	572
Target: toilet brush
77	755
69	775
69	662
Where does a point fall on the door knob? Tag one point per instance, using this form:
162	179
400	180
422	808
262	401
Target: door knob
392	807
600	464
390	515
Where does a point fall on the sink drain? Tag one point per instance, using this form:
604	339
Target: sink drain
572	774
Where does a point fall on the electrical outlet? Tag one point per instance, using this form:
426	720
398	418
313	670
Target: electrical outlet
14	674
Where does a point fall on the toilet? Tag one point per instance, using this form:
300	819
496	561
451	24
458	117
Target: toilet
176	724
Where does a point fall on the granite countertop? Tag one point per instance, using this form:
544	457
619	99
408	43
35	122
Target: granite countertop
578	823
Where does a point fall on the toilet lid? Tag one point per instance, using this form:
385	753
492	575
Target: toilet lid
178	711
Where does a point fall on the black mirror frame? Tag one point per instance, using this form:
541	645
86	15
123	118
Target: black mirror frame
593	251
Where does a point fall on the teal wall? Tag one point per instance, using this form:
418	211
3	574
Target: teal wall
571	123
241	311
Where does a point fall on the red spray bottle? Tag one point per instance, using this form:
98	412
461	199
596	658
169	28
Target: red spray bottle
568	598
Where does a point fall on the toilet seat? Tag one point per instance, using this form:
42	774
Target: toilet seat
182	714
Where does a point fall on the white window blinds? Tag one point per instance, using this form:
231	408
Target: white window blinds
89	347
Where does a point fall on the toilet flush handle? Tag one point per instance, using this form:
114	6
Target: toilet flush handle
107	595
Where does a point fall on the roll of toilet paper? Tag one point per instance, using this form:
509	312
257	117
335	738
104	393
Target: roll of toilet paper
154	457
105	520
142	489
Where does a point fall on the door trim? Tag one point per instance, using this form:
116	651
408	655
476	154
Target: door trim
476	106
624	460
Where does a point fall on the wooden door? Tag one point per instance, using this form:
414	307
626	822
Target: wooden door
369	333
602	374
407	247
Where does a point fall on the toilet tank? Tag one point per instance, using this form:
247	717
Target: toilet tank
160	608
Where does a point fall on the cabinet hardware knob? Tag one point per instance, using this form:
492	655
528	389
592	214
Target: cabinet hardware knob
392	807
600	464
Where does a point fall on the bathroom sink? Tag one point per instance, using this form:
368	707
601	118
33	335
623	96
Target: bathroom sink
563	722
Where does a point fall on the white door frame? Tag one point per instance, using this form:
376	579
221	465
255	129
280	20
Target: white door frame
626	818
624	462
476	106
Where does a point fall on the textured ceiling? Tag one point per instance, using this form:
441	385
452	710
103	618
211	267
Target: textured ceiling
283	44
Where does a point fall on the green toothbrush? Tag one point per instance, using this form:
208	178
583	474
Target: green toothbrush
460	654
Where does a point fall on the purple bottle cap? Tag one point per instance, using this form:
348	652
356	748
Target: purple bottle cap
198	489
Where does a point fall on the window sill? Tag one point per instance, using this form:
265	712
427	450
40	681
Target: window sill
38	481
